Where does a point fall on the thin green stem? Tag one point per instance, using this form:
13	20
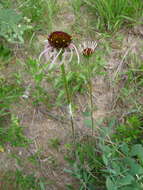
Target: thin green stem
90	94
91	105
68	98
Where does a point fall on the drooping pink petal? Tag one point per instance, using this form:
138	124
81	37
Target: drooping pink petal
54	60
78	59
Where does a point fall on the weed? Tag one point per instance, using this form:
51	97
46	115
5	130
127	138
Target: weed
135	69
112	15
76	82
21	181
9	93
34	158
37	92
41	12
10	129
12	26
86	166
76	5
131	81
107	165
55	143
13	134
5	53
124	169
130	131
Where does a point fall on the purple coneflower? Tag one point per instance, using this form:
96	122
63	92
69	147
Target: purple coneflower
59	43
88	48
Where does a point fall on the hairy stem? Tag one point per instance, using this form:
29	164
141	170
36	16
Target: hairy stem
90	94
91	105
68	98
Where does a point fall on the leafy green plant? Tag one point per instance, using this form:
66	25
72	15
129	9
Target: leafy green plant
37	72
55	143
33	67
6	4
12	26
13	134
77	76
106	163
76	5
130	131
9	93
10	129
135	71
41	12
76	82
21	181
132	80
112	15
5	53
86	166
124	166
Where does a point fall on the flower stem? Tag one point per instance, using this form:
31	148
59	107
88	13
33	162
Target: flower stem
90	94
68	98
91	104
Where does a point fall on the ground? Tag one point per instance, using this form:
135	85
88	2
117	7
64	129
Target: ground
49	129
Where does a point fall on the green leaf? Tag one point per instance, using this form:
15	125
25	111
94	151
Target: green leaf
42	186
11	26
126	180
137	150
39	77
116	167
110	185
105	160
135	168
68	171
87	113
9	16
88	123
125	148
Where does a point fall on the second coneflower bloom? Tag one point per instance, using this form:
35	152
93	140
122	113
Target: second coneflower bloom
58	43
88	48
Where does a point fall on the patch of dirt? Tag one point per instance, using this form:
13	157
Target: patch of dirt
42	127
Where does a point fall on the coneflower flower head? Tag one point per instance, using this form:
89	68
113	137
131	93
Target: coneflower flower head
59	39
59	43
88	48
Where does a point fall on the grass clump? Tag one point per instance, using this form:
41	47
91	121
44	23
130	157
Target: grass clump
112	15
9	93
40	12
12	26
130	131
10	129
13	134
21	181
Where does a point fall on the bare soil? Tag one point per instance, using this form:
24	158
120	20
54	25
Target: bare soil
41	125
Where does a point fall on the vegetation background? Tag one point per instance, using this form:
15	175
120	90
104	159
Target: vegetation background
37	148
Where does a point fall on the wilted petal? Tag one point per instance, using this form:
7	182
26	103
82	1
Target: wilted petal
78	59
87	48
54	60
